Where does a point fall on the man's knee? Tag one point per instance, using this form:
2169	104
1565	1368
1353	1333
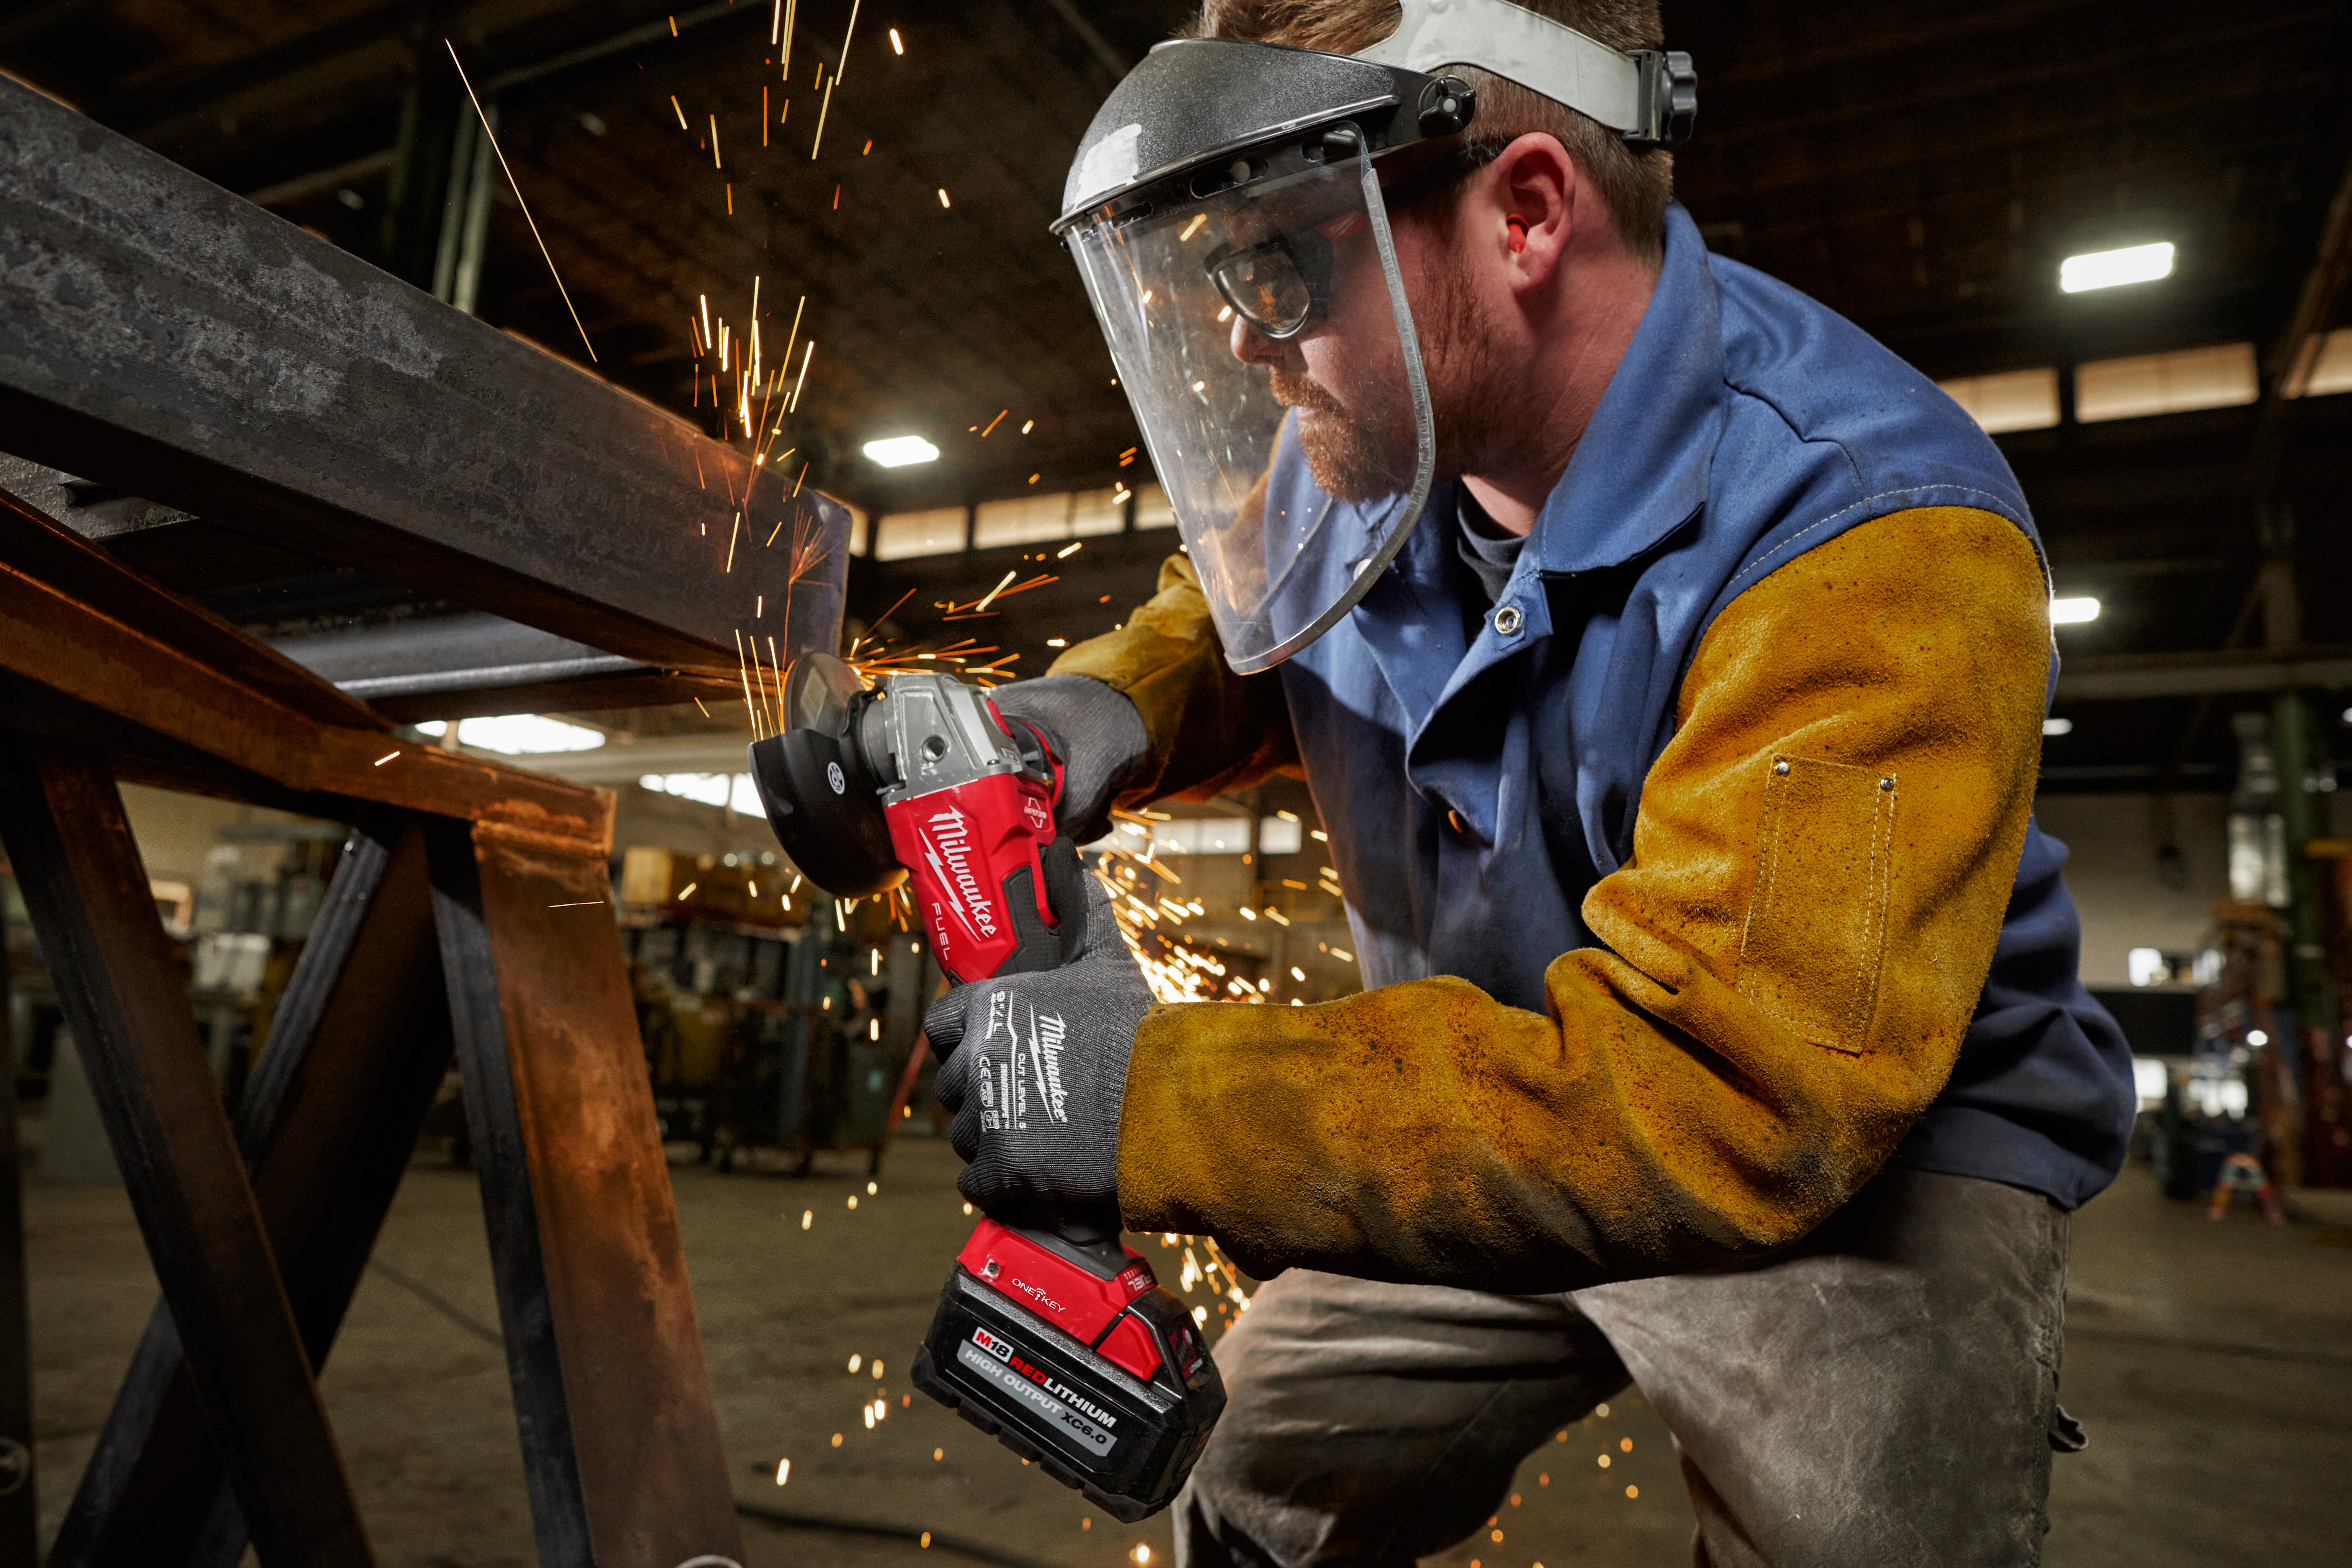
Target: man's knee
1374	1423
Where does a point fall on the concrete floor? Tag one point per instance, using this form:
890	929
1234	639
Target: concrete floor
2212	1364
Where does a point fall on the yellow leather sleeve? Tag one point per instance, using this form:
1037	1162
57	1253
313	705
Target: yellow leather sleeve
1821	858
1210	730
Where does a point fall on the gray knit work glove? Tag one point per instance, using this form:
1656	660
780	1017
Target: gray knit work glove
1096	733
1034	1070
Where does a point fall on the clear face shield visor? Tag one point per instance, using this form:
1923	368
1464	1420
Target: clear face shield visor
1263	335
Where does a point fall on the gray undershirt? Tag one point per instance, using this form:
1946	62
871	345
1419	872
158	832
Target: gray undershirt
1487	550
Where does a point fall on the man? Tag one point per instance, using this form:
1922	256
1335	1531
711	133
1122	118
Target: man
1667	661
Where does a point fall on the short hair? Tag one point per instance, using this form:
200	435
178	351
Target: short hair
1636	185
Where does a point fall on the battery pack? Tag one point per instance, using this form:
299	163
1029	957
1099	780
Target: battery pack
1120	1415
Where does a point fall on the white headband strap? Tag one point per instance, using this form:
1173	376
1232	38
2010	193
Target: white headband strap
1620	92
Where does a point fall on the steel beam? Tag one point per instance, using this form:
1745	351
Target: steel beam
174	341
199	685
445	667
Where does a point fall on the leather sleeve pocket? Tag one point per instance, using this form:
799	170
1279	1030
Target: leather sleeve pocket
1816	933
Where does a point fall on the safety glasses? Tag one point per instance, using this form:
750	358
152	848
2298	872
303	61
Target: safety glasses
1279	286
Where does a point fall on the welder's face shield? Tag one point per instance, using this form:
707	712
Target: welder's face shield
1265	340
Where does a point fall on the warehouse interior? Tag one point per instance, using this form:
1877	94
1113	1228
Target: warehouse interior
2118	236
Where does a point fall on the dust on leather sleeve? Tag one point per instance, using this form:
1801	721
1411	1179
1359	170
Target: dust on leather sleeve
1210	730
1820	861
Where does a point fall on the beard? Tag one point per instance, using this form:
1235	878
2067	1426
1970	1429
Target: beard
1362	450
1354	450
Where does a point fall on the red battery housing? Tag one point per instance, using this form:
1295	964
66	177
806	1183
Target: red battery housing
1072	1356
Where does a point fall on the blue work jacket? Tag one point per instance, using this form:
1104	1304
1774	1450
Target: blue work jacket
1746	425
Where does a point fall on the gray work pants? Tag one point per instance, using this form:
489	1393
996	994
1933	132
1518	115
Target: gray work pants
1882	1393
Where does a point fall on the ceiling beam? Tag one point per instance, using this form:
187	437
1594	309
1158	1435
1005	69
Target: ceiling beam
319	181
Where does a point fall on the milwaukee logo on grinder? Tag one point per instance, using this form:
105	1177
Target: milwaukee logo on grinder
947	845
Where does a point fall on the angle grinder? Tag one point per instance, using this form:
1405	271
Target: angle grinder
1051	1335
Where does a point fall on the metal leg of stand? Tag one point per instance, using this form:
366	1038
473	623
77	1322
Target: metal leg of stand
620	1440
329	1117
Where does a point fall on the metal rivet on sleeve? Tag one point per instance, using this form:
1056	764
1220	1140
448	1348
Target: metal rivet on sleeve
1887	784
1506	620
1780	768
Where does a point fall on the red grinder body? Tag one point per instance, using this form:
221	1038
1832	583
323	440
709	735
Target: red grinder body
1055	1340
966	848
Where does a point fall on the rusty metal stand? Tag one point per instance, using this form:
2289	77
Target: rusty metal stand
326	1134
447	924
71	846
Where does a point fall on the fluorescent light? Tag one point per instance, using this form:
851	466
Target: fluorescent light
734	791
520	734
2074	612
2107	268
899	451
2057	726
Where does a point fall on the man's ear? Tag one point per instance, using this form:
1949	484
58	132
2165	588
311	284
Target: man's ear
1530	196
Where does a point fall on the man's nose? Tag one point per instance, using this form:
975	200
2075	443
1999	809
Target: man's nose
1253	347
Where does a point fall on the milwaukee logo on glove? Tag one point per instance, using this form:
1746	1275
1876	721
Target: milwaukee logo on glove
1031	1063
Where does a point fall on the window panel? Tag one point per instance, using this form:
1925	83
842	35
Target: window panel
2217	377
936	531
2013	400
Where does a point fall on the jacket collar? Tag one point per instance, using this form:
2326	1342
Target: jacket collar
1641	470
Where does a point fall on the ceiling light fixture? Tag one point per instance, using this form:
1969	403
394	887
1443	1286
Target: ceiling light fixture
2107	268
899	451
2075	611
519	734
